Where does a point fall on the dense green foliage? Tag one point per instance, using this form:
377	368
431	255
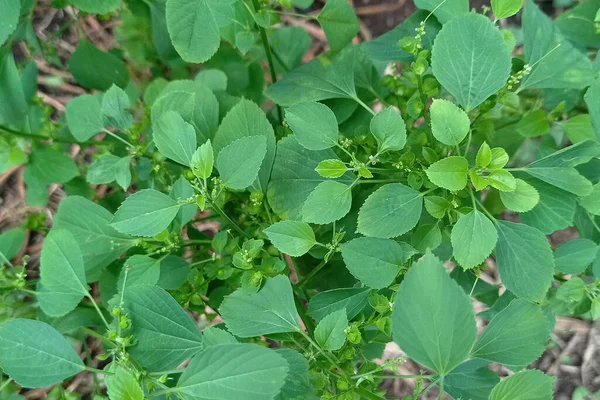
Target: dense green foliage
359	196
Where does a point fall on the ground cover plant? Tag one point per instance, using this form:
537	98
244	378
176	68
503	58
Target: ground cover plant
271	224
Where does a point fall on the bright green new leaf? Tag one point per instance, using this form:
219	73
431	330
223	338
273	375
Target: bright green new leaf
389	129
50	358
390	211
374	261
522	199
114	105
239	163
291	237
230	371
516	335
499	158
437	206
525	385
579	128
339	23
449	124
314	124
166	335
84	116
203	160
571	291
444	10
330	332
534	123
96	69
353	300
506	8
470	59
271	310
331	168
524	260
484	156
49	165
473	239
122	384
432	318
574	256
449	173
591	202
11	242
97	7
10	11
330	201
502	180
145	213
175	138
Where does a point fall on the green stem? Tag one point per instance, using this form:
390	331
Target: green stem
308	323
89	296
364	393
200	262
119	138
4	385
366	107
441	395
163	392
392	376
231	222
169	372
95	334
293	14
312	273
327	356
486	212
99	371
41	137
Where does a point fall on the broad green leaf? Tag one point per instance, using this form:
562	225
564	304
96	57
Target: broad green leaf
61	273
13	104
239	163
173	272
576	24
545	48
390	211
525	385
84	116
449	124
499	158
330	201
11	242
591	202
449	173
182	190
574	256
50	358
389	129
97	7
505	8
230	371
331	168
470	59
444	10
213	336
571	291
524	198
102	169
524	260
291	237
473	239
534	123
554	211
314	125
165	333
471	380
175	138
353	300
214	79
432	318
99	243
516	335
138	270
96	69
330	332
579	128
114	105
592	101
339	23
290	43
297	383
203	160
122	384
10	11
437	206
502	180
374	261
427	236
123	172
145	213
484	156
271	310
244	41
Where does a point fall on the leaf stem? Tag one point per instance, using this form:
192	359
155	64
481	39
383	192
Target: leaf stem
366	107
41	137
312	273
486	212
441	385
89	296
169	372
324	353
4	385
98	371
119	138
231	222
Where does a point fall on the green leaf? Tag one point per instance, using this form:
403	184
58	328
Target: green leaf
50	358
437	206
470	59
471	380
473	239
62	274
114	105
229	371
534	123
449	124
524	198
444	10
374	261
173	272
484	156
214	336
10	11
122	384
516	335
290	43
13	104
214	79
239	163
297	384
99	243
244	41
123	172
102	170
175	138
145	213
592	101
139	270
427	236
449	173
330	332
11	242
545	48
502	180
505	8
353	300
330	201
554	211
432	318
390	211
591	202
48	165
97	7
389	129
314	125
524	260
331	168
165	333
574	256
499	158
571	291
203	160
95	69
291	237
525	385
339	23
271	310
579	128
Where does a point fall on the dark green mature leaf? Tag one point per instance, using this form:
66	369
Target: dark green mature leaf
291	237
271	310
470	59
314	125
13	104
554	211
229	371
95	69
173	272
145	213
339	23
432	318
545	49
165	333
97	7
515	336
389	129
138	270
114	105
473	239
354	300
591	202
239	163
471	380
524	260
50	358
525	385
330	201
444	10
84	116
10	11
574	256
214	336
175	138
297	383
48	165
449	173
330	332
290	43
390	211
449	124
592	101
